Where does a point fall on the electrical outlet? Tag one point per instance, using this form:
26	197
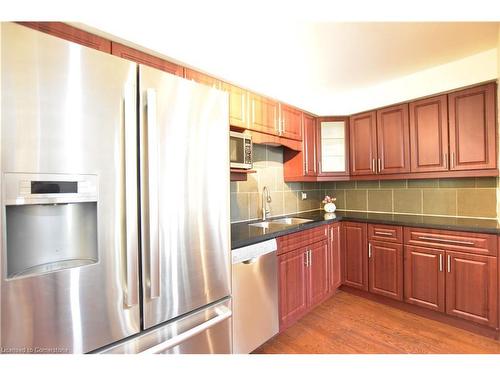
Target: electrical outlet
304	196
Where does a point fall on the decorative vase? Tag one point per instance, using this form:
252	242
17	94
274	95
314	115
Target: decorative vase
329	207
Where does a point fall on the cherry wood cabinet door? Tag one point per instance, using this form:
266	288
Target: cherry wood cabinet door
386	269
204	79
310	146
355	255
64	31
140	57
293	285
334	262
393	140
471	287
318	273
363	143
263	114
424	277
238	106
429	134
472	118
291	122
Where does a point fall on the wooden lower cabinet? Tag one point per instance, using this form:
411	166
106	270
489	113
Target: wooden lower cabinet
424	277
317	273
386	269
293	284
335	265
355	255
471	287
309	273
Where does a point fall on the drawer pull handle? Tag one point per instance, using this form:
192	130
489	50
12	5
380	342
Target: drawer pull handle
456	242
440	262
383	233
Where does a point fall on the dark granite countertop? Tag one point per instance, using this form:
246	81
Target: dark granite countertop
242	234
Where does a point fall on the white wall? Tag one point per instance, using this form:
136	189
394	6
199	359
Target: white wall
480	67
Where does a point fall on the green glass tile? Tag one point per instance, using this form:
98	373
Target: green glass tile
380	200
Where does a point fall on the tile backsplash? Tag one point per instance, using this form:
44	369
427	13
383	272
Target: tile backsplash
470	197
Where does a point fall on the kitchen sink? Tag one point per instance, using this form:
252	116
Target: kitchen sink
280	222
291	221
264	224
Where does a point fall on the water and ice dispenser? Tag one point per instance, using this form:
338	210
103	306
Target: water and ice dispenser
51	222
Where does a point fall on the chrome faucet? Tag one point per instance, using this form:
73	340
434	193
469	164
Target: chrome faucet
266	198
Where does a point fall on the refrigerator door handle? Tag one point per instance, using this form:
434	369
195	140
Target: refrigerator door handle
131	295
223	313
153	157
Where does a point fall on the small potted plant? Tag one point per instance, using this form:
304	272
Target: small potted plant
329	206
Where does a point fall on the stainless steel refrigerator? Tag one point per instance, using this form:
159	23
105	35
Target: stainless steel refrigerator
115	204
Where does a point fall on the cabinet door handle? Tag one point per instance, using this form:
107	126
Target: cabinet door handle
449	263
443	240
369	250
440	262
452	160
310	257
445	158
379	165
306	254
373	166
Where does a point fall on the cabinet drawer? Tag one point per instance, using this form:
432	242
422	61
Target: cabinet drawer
386	233
477	243
301	239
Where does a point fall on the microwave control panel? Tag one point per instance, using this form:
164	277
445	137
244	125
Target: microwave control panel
248	151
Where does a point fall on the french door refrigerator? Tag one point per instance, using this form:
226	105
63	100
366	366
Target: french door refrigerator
115	211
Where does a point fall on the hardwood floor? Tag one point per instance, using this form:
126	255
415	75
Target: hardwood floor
346	324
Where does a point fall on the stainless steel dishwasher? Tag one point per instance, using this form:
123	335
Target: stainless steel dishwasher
255	295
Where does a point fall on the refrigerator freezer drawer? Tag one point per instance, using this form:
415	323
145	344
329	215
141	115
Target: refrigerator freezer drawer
207	331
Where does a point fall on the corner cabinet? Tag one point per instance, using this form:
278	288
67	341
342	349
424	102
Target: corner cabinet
333	146
355	255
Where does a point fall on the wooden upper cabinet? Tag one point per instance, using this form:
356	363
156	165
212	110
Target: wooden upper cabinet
238	106
363	143
263	114
429	134
298	164
204	79
424	277
355	255
473	128
309	146
140	57
471	287
333	146
291	122
393	140
64	31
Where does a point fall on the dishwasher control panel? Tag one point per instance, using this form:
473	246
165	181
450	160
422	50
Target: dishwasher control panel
249	252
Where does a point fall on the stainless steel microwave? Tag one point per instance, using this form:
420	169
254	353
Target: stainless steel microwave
240	150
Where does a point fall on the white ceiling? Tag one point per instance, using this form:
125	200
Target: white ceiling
301	62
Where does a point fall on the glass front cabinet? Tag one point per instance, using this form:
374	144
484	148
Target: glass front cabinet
333	155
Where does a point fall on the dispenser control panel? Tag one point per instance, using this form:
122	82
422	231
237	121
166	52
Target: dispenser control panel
39	188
